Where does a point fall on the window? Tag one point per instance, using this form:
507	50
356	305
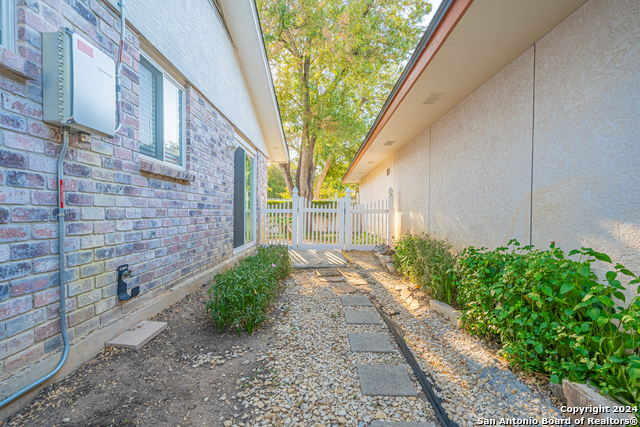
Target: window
161	115
8	24
243	199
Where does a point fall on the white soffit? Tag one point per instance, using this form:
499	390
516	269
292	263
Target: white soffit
490	35
242	20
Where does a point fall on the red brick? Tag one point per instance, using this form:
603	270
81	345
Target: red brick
21	106
31	19
81	315
24	358
14	307
14	234
47	198
29	250
48	231
46	330
23	142
43	130
15	344
30	214
12	160
46	297
25	179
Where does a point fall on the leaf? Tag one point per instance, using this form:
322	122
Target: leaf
605	300
620	296
539	349
555	379
627	272
634	373
569	312
601	256
574	252
547	290
566	288
584	269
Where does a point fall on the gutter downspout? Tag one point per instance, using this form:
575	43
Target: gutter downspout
119	69
61	279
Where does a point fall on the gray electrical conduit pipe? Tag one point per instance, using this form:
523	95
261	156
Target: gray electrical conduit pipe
61	231
62	284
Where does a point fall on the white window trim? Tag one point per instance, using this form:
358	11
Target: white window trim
8	24
244	247
183	130
254	200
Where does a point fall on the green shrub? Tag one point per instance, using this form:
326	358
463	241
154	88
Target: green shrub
239	297
551	314
428	262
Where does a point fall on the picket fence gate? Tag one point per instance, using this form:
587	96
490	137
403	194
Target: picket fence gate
326	224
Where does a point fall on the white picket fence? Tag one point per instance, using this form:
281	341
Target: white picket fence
327	224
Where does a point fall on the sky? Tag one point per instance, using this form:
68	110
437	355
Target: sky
434	6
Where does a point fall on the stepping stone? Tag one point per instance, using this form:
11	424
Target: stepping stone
414	305
136	337
409	300
401	287
356	279
374	343
405	294
391	424
361	317
333	279
385	380
317	259
344	289
327	272
357	301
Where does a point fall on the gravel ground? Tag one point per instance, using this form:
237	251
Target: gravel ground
311	376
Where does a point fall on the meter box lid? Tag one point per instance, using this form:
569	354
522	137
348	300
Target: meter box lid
93	88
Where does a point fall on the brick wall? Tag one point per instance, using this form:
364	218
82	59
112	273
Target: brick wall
167	228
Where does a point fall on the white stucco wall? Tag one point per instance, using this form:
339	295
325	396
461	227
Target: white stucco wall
585	150
189	34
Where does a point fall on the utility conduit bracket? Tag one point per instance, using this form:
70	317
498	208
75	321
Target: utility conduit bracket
123	270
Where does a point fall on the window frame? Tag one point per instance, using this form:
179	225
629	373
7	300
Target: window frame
158	71
8	29
250	153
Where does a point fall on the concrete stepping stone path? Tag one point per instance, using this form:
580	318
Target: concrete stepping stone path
385	380
328	272
357	301
344	289
371	342
361	318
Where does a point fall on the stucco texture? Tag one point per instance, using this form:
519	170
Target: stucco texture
469	176
587	125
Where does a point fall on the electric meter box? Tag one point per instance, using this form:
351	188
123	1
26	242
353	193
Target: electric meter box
79	84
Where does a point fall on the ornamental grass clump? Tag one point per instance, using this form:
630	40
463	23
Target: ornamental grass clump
428	262
239	297
552	314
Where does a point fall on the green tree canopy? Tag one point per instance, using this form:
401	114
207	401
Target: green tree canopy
334	62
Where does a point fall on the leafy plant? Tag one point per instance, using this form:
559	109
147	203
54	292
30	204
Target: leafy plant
239	297
551	314
428	262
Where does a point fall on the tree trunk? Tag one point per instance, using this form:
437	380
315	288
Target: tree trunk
305	165
286	171
325	169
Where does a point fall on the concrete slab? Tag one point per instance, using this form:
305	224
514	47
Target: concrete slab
362	318
137	337
344	289
374	343
327	272
385	380
405	294
312	258
357	301
333	279
414	305
391	424
356	279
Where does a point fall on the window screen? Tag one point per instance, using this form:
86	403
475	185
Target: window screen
172	122
148	111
